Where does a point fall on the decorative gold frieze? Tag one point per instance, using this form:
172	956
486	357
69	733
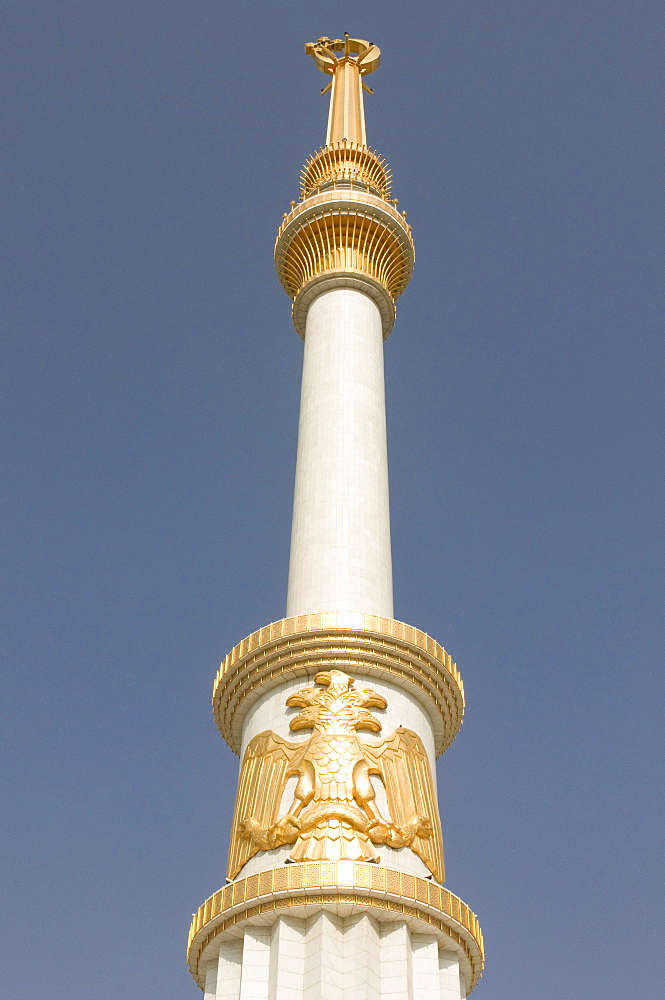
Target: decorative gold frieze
383	892
368	645
334	815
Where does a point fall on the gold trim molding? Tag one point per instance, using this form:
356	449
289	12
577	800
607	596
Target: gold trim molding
360	644
366	886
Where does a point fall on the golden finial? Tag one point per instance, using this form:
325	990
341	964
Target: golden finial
345	230
346	120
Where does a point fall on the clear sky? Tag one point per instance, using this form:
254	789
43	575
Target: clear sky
150	388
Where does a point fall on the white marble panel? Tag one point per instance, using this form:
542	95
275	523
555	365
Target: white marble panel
361	971
229	969
326	956
396	962
450	985
425	960
287	959
324	952
255	979
210	990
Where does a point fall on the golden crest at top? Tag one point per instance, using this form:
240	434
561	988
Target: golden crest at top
334	815
365	54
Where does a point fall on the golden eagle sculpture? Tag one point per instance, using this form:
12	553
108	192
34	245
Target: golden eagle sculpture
334	815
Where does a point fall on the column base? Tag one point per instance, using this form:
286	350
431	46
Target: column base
239	936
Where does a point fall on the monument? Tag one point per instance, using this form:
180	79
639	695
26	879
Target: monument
335	867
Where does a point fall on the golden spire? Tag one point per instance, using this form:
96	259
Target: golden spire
346	119
346	231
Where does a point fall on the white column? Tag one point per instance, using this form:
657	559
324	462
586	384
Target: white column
210	991
328	957
229	969
324	954
362	971
340	542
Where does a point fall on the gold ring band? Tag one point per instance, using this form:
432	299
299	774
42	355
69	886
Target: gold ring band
367	644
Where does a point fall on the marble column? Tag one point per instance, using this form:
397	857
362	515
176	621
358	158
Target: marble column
340	542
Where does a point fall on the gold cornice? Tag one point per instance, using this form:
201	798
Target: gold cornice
368	645
342	279
347	235
338	239
334	884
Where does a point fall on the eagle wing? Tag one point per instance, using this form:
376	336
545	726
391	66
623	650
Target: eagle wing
263	773
402	763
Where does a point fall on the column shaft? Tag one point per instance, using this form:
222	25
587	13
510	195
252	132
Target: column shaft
340	542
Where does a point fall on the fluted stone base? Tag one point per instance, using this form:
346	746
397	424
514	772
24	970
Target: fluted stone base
329	957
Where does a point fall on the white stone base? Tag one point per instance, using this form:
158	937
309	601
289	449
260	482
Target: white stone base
328	957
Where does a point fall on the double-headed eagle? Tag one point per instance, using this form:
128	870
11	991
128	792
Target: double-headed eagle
334	815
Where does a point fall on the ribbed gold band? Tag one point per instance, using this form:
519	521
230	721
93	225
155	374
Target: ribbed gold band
346	163
342	232
339	885
367	644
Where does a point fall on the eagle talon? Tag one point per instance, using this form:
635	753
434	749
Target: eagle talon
379	831
284	831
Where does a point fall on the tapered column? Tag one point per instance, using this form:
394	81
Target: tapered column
340	543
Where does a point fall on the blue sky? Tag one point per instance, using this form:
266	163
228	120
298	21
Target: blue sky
150	388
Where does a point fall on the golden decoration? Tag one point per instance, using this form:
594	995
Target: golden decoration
367	644
383	892
345	233
334	816
346	164
359	58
